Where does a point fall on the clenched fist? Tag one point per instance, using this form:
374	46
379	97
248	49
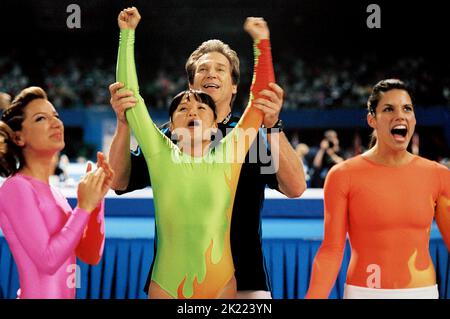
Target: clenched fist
129	18
257	28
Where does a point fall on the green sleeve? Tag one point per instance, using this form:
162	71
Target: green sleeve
149	137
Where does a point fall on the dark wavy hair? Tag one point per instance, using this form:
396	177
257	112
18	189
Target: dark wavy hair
11	157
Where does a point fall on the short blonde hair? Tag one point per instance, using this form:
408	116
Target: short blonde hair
214	46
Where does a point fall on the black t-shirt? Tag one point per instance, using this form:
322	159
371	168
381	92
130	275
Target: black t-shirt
319	174
246	233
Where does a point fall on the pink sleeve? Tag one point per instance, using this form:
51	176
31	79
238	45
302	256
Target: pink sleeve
90	248
47	251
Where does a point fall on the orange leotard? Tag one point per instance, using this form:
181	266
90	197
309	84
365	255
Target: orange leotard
387	213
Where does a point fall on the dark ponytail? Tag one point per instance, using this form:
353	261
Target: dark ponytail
373	140
377	93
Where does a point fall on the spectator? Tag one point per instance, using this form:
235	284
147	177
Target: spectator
357	147
328	155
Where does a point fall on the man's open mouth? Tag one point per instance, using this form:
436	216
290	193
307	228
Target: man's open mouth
210	85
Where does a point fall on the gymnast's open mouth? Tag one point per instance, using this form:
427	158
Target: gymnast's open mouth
401	130
194	123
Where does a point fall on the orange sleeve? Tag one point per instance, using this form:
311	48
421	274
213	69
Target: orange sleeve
442	212
247	128
328	260
263	74
90	248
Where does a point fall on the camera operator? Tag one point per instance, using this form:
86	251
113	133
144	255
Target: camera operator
328	155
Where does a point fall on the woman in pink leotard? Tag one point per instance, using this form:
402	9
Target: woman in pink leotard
44	234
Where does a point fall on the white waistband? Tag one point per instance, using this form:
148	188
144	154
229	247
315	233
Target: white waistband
356	292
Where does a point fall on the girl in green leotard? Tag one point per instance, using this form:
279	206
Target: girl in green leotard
193	184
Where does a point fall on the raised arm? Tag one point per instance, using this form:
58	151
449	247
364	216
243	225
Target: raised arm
328	260
138	118
263	74
288	167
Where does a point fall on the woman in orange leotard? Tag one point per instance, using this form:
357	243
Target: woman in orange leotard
385	200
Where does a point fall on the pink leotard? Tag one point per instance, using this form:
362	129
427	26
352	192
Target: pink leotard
45	236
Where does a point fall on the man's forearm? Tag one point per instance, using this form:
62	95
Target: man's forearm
290	173
317	162
119	157
336	158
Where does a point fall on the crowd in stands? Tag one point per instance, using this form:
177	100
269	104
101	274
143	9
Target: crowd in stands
318	82
328	82
321	82
70	83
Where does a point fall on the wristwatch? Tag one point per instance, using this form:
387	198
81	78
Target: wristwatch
277	128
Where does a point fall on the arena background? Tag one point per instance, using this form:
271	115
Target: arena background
326	59
327	37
